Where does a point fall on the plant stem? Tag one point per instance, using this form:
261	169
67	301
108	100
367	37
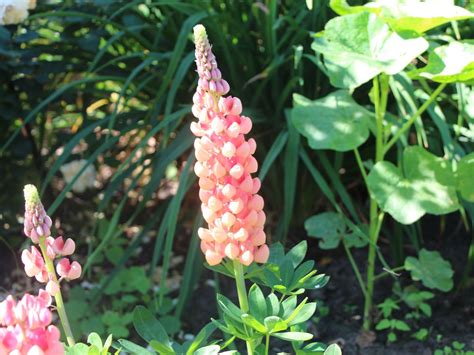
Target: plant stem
267	343
242	294
355	268
380	102
412	119
58	297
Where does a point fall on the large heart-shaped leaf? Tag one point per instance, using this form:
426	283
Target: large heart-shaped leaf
431	269
427	186
358	47
408	15
334	122
465	176
448	64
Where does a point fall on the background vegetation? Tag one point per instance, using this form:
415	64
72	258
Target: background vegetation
111	82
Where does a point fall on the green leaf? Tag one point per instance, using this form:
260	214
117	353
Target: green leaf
293	336
333	122
161	348
333	349
208	350
449	64
431	269
274	324
305	313
400	325
383	324
427	186
257	302
201	337
357	48
94	339
252	322
408	16
327	226
229	308
134	348
297	253
464	177
148	327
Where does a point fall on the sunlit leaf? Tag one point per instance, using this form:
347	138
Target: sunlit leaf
426	185
358	47
334	122
448	64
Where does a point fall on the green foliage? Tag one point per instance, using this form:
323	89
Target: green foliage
334	122
94	346
431	269
452	63
409	195
408	16
331	228
357	48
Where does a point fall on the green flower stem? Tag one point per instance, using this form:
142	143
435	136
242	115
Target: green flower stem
267	344
58	298
355	268
380	103
242	294
412	119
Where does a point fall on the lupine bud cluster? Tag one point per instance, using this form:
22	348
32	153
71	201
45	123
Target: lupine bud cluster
37	227
25	327
230	203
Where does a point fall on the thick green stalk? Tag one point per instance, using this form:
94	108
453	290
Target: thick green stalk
242	294
380	102
58	297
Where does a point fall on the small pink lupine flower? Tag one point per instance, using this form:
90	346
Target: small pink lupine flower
34	264
68	270
37	222
25	326
64	248
230	203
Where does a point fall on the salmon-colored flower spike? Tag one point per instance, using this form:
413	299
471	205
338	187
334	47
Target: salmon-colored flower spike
230	203
25	326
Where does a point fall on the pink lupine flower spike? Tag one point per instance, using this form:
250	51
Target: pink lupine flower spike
230	203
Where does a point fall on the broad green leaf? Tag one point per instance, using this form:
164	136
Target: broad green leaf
426	187
431	269
293	336
408	15
400	325
333	349
229	308
148	327
334	122
465	177
358	47
327	226
449	64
